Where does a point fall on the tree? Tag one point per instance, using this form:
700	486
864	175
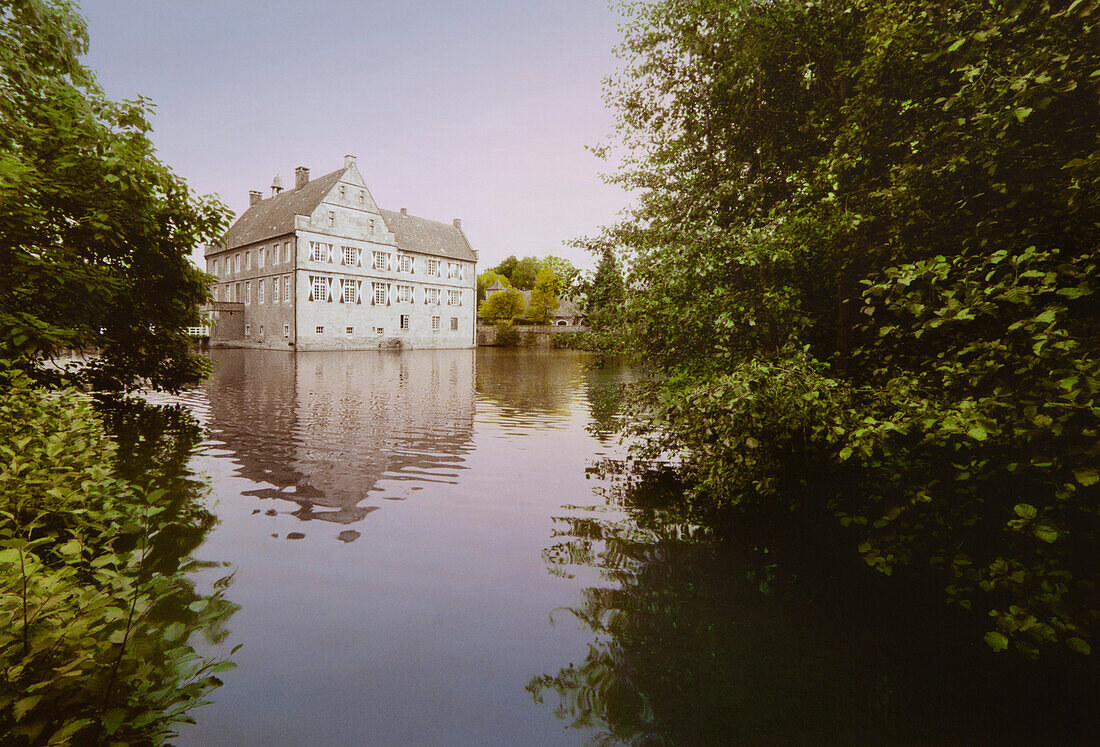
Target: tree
544	297
563	270
605	294
96	232
524	273
505	268
862	263
507	304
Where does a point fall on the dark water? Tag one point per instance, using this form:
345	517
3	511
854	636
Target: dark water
425	540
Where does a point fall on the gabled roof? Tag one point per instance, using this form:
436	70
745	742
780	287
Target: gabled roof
428	236
275	216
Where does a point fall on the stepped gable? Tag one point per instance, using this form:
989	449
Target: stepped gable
428	236
274	217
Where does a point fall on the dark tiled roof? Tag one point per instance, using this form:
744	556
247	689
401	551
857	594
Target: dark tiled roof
275	216
428	236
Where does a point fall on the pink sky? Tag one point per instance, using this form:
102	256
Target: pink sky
478	110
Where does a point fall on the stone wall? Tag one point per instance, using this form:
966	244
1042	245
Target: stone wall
530	335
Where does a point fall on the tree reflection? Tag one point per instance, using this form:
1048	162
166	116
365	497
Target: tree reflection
703	641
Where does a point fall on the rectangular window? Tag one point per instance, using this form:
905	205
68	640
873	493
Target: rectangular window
379	331
320	252
454	323
237	262
248	260
404	321
343	191
260	291
286	330
349	331
350	256
404	263
286	252
275	290
348	290
372	225
331	218
320	289
435	323
286	287
454	298
380	260
260	254
431	295
248	330
237	292
433	268
248	292
404	294
319	329
379	293
274	254
213	267
261	332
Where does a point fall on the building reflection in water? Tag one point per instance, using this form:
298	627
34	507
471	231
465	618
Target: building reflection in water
322	429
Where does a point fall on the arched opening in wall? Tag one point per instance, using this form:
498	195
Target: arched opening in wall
562	323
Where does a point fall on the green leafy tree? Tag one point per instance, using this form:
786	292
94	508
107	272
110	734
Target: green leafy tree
564	271
544	297
605	293
863	262
525	273
502	305
95	232
506	268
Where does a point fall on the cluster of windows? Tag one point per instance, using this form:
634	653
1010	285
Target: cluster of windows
280	290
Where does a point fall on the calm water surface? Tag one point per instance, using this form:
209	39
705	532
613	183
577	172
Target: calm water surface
386	514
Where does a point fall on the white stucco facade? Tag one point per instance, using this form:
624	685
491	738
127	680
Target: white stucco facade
321	267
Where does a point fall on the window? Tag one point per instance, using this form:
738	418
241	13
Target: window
360	197
379	293
319	329
320	252
433	267
431	295
404	321
286	287
248	292
454	298
260	291
237	292
286	330
274	254
260	253
213	267
320	288
248	260
237	262
331	218
404	263
261	331
349	331
379	331
286	252
454	323
343	193
404	294
380	260
348	295
351	256
248	330
435	323
275	290
372	225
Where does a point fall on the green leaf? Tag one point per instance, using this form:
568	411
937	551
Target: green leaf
958	43
978	433
1086	476
1025	511
996	641
1045	533
1079	645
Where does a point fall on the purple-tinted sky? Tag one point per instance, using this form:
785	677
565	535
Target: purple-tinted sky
478	110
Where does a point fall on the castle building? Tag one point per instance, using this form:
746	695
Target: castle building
322	267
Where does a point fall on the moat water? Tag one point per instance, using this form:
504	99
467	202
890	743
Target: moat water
424	540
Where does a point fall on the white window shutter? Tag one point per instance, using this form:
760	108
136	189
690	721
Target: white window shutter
358	257
359	291
310	287
389	294
328	283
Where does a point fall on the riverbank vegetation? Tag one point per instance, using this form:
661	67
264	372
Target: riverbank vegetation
862	271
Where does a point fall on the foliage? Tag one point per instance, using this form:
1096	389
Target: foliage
96	233
97	612
502	305
544	297
862	265
568	276
507	336
525	273
571	340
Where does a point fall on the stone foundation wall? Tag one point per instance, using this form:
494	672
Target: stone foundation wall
530	336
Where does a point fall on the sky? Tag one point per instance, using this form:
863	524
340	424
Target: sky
473	110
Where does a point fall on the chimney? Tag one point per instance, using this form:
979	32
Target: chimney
254	196
458	223
301	177
404	211
349	161
276	185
